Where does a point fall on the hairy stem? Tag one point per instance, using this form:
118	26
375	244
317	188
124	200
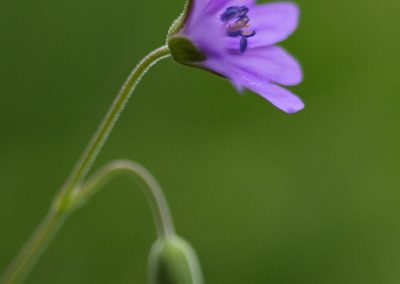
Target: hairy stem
65	201
89	155
33	248
152	189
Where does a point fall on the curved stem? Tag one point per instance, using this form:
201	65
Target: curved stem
154	193
89	155
65	202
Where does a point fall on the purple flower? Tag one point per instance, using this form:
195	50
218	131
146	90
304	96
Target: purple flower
237	40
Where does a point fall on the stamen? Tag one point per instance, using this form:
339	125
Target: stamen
234	33
239	25
241	21
243	44
248	34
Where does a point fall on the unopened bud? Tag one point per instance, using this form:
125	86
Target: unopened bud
174	261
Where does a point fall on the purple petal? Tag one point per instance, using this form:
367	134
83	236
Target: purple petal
222	67
278	96
272	22
271	63
208	37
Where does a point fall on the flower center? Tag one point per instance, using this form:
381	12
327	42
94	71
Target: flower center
237	24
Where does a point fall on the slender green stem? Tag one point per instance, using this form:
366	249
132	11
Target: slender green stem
33	249
65	201
89	155
154	193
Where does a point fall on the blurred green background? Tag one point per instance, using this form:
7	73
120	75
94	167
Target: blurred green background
263	196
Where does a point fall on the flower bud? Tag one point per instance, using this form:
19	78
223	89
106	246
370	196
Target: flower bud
173	261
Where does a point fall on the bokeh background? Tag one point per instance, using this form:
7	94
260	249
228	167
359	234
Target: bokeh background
264	197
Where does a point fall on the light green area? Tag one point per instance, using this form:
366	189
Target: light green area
262	196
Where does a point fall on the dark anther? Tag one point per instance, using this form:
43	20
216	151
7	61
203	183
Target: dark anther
234	12
243	44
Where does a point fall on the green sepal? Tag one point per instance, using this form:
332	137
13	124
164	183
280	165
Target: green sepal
184	51
173	261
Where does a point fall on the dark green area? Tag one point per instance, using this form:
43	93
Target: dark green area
184	51
264	197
